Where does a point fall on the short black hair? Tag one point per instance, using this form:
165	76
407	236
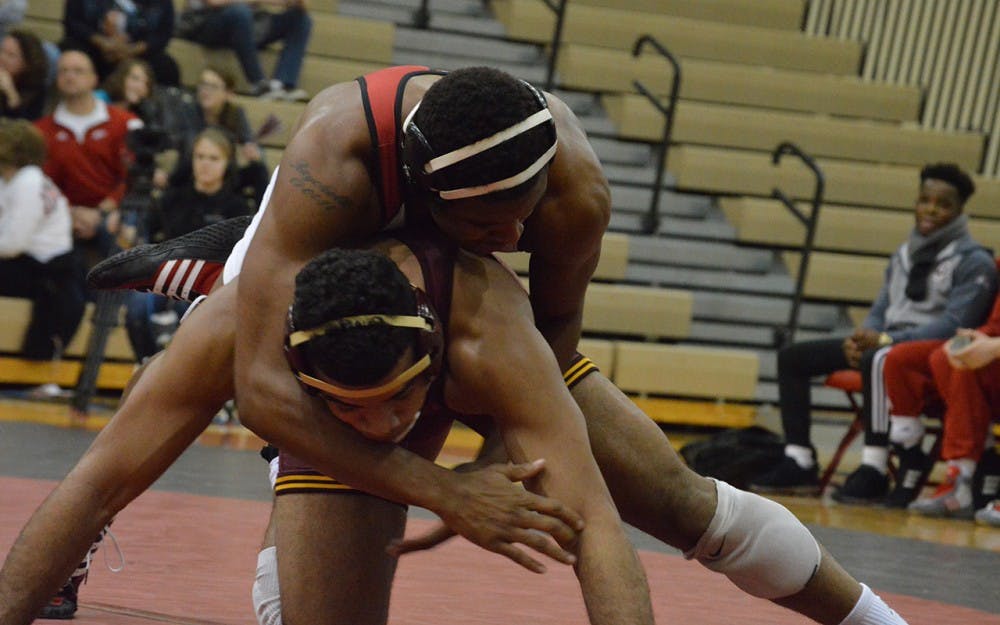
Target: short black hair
344	283
953	175
473	103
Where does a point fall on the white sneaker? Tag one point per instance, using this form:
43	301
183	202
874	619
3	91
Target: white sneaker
989	515
295	95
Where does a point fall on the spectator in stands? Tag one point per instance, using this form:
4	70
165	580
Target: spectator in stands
960	380
24	69
36	244
208	198
110	31
87	155
216	108
133	86
940	279
237	25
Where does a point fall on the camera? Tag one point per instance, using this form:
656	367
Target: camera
144	143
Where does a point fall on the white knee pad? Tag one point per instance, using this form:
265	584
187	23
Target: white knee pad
266	596
758	544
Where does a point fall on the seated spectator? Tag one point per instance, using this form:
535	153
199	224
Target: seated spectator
959	379
236	25
173	110
216	108
36	244
938	280
111	31
24	68
207	199
87	156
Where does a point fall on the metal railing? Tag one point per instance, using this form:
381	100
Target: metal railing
105	319
651	220
784	336
422	16
560	10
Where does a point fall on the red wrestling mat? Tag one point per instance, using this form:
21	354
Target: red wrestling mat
190	560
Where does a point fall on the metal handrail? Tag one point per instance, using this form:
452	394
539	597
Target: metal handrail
560	11
651	221
785	336
422	16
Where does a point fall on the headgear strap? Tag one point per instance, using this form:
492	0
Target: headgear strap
371	393
458	155
400	321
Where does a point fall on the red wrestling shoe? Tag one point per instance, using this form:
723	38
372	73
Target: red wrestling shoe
182	268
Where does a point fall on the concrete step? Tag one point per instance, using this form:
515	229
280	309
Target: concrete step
749	308
681	252
489	51
620	152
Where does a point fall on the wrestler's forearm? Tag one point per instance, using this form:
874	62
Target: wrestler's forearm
49	548
332	448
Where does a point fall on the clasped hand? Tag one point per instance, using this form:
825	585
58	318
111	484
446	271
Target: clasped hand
493	511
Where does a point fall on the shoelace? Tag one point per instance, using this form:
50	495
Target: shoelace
118	549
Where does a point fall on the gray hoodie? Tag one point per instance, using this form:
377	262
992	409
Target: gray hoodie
960	292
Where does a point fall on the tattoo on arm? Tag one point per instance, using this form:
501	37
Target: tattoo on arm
323	195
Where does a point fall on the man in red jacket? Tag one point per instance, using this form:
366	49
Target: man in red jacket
87	154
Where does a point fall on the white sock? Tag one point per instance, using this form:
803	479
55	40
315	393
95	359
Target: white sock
272	471
906	431
803	456
871	610
876	457
266	595
966	466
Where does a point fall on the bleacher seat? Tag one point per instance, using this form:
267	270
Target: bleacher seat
781	14
605	70
638	311
840	228
818	135
841	277
737	172
688	370
531	20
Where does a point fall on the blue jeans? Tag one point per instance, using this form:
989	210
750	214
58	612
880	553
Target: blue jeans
233	27
142	332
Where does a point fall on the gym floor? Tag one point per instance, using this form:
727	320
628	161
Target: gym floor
190	544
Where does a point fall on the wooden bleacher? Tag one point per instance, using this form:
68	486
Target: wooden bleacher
16	313
736	172
779	14
840	228
842	277
744	127
531	20
590	68
687	370
317	72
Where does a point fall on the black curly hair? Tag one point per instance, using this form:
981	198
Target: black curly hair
473	103
344	283
953	175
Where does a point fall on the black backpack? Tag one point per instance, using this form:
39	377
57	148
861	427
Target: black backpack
735	456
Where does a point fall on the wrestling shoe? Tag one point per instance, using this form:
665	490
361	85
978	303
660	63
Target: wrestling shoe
63	605
990	515
787	477
182	268
866	485
912	473
953	498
